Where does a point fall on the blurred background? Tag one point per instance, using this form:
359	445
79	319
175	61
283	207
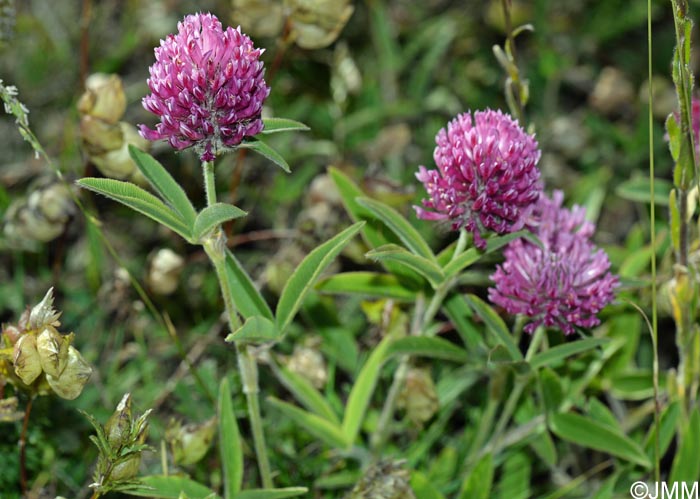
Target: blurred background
375	80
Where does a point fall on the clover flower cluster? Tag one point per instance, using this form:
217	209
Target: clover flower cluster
563	282
487	177
207	86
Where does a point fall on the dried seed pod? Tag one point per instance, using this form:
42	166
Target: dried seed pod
42	216
383	480
307	362
419	396
164	271
189	443
117	162
26	360
11	333
73	378
318	23
104	98
53	350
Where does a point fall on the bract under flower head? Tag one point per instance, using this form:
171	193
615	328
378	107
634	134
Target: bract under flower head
207	87
487	177
564	282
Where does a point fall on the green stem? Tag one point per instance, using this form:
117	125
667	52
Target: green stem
420	320
215	248
508	408
652	216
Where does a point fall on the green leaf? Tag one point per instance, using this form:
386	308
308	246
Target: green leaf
139	200
276	125
306	274
473	255
170	487
423	266
637	189
594	435
667	424
370	284
213	216
265	150
229	443
255	329
374	233
459	313
634	385
495	324
272	493
318	426
552	390
686	464
479	482
399	226
361	393
249	302
556	354
423	488
164	184
307	395
424	346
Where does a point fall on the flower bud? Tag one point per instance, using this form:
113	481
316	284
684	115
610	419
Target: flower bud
118	427
104	98
189	443
126	469
43	313
26	359
53	350
73	378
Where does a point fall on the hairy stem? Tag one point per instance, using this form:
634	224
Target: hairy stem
215	248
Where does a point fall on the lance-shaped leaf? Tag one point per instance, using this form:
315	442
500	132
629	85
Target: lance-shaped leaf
139	200
276	125
361	392
560	352
423	266
265	150
424	346
473	255
255	329
306	394
594	435
495	324
170	487
399	226
230	446
249	302
164	184
272	493
307	273
371	284
318	426
213	216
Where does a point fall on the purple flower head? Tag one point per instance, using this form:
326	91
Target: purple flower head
564	283
207	87
487	178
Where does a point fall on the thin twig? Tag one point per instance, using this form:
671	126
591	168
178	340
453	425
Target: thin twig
23	447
